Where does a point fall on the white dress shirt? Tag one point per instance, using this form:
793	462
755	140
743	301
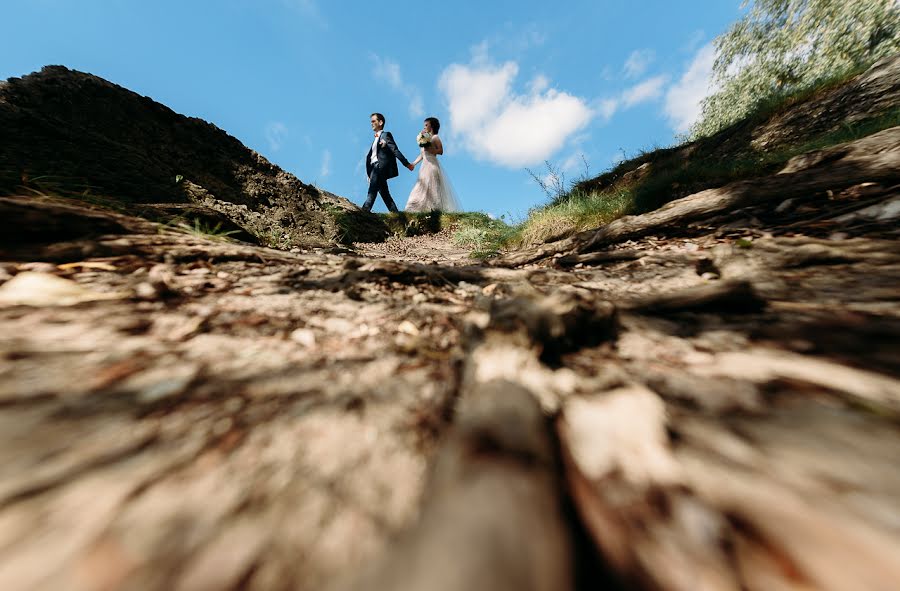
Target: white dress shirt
374	157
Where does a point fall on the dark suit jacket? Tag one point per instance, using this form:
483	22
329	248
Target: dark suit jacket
388	154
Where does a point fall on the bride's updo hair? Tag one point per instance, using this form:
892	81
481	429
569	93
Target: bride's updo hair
435	124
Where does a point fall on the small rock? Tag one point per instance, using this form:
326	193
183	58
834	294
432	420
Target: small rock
145	291
406	343
166	381
338	325
222	426
233	405
304	336
709	276
408	327
162	279
42	289
38	267
419	298
785	205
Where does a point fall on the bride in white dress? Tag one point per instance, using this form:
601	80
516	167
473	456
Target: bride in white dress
432	191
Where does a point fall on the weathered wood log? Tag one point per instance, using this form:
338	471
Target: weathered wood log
873	158
492	518
732	296
679	500
598	258
34	220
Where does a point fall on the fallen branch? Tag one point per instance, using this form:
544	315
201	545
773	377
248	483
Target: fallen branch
733	296
492	517
599	258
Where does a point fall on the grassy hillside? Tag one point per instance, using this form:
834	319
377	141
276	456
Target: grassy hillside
832	112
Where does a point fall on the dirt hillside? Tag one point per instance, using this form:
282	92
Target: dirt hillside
72	133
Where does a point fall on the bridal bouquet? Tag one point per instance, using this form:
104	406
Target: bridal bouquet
423	139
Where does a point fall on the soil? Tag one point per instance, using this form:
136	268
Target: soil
706	408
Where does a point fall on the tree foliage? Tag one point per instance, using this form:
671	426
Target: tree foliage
781	47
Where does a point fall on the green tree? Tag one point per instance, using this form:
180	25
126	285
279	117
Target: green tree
782	47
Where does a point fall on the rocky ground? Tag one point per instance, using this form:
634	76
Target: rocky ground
707	405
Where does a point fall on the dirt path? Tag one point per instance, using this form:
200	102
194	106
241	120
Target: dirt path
435	249
687	412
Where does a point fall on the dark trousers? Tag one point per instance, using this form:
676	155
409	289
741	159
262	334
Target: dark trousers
378	184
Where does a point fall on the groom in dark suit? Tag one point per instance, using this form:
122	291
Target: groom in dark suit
381	164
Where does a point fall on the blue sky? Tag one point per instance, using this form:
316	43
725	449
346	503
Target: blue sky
514	84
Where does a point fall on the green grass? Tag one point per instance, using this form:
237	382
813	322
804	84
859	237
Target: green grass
486	237
204	229
578	211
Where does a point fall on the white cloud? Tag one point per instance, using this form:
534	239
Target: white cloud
638	62
645	91
513	40
416	106
607	107
522	39
276	132
538	84
388	71
480	52
498	124
695	41
325	169
684	99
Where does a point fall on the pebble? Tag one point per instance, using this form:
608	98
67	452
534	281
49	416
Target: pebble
408	327
145	291
785	205
38	267
222	426
31	288
304	336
